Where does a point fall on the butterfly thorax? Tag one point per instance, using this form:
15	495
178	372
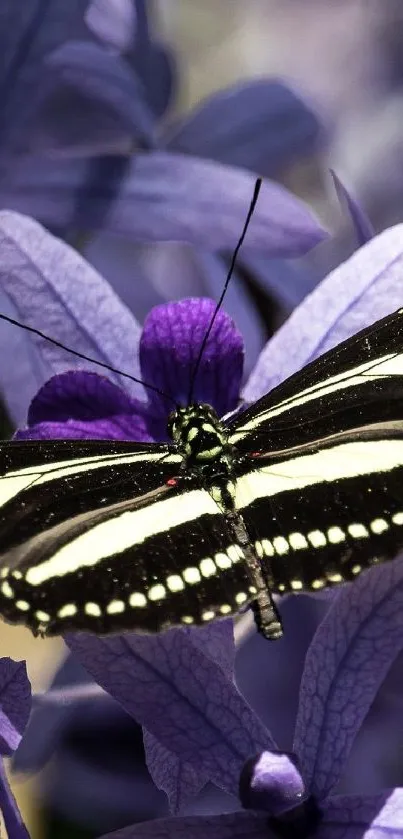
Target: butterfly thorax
201	439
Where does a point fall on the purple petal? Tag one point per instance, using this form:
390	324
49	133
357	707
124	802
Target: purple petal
362	225
53	289
113	21
231	826
153	62
271	782
260	124
169	347
349	657
14	824
167	197
15	703
180	781
83	405
363	816
362	290
180	695
95	72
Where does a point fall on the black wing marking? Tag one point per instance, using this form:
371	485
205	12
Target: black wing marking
120	549
357	383
321	514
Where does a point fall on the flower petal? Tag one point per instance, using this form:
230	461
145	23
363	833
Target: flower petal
169	348
180	781
15	703
362	225
167	197
230	826
349	657
13	822
56	291
113	21
95	72
180	695
363	289
359	816
260	124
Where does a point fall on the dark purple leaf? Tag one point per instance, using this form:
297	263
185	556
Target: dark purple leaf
168	197
14	824
180	695
53	289
15	704
105	77
231	826
362	290
260	125
179	780
169	347
358	816
362	225
349	657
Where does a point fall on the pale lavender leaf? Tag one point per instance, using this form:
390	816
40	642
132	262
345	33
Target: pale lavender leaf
363	289
167	197
13	822
229	826
53	289
362	224
349	657
102	75
179	780
113	21
15	703
180	695
260	125
363	816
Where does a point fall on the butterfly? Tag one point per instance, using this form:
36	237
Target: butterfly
302	490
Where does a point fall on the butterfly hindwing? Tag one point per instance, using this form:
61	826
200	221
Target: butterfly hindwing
107	544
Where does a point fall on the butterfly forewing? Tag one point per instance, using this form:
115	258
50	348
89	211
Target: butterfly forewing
112	542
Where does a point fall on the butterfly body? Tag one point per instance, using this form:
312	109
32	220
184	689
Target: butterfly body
301	491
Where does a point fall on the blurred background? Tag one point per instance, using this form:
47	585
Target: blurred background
326	91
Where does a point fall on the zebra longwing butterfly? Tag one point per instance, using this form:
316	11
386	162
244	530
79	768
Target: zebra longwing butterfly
302	490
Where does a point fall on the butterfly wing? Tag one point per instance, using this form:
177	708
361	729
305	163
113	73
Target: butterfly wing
357	383
320	472
107	537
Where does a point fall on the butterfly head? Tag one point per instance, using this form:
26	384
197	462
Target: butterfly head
198	433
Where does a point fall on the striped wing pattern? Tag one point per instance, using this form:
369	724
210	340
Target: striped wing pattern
100	542
108	536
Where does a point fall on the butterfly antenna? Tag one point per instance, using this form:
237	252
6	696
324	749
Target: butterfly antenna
251	210
86	357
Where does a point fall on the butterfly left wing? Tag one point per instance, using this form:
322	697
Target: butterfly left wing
106	537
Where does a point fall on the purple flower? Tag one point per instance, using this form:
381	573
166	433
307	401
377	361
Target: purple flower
141	672
15	706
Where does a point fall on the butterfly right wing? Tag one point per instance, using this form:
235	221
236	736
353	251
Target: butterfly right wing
107	537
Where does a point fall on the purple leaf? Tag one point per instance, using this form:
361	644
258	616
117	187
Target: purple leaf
179	780
104	76
15	704
14	824
365	288
362	225
113	21
349	657
359	816
53	289
180	695
230	826
259	124
168	197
